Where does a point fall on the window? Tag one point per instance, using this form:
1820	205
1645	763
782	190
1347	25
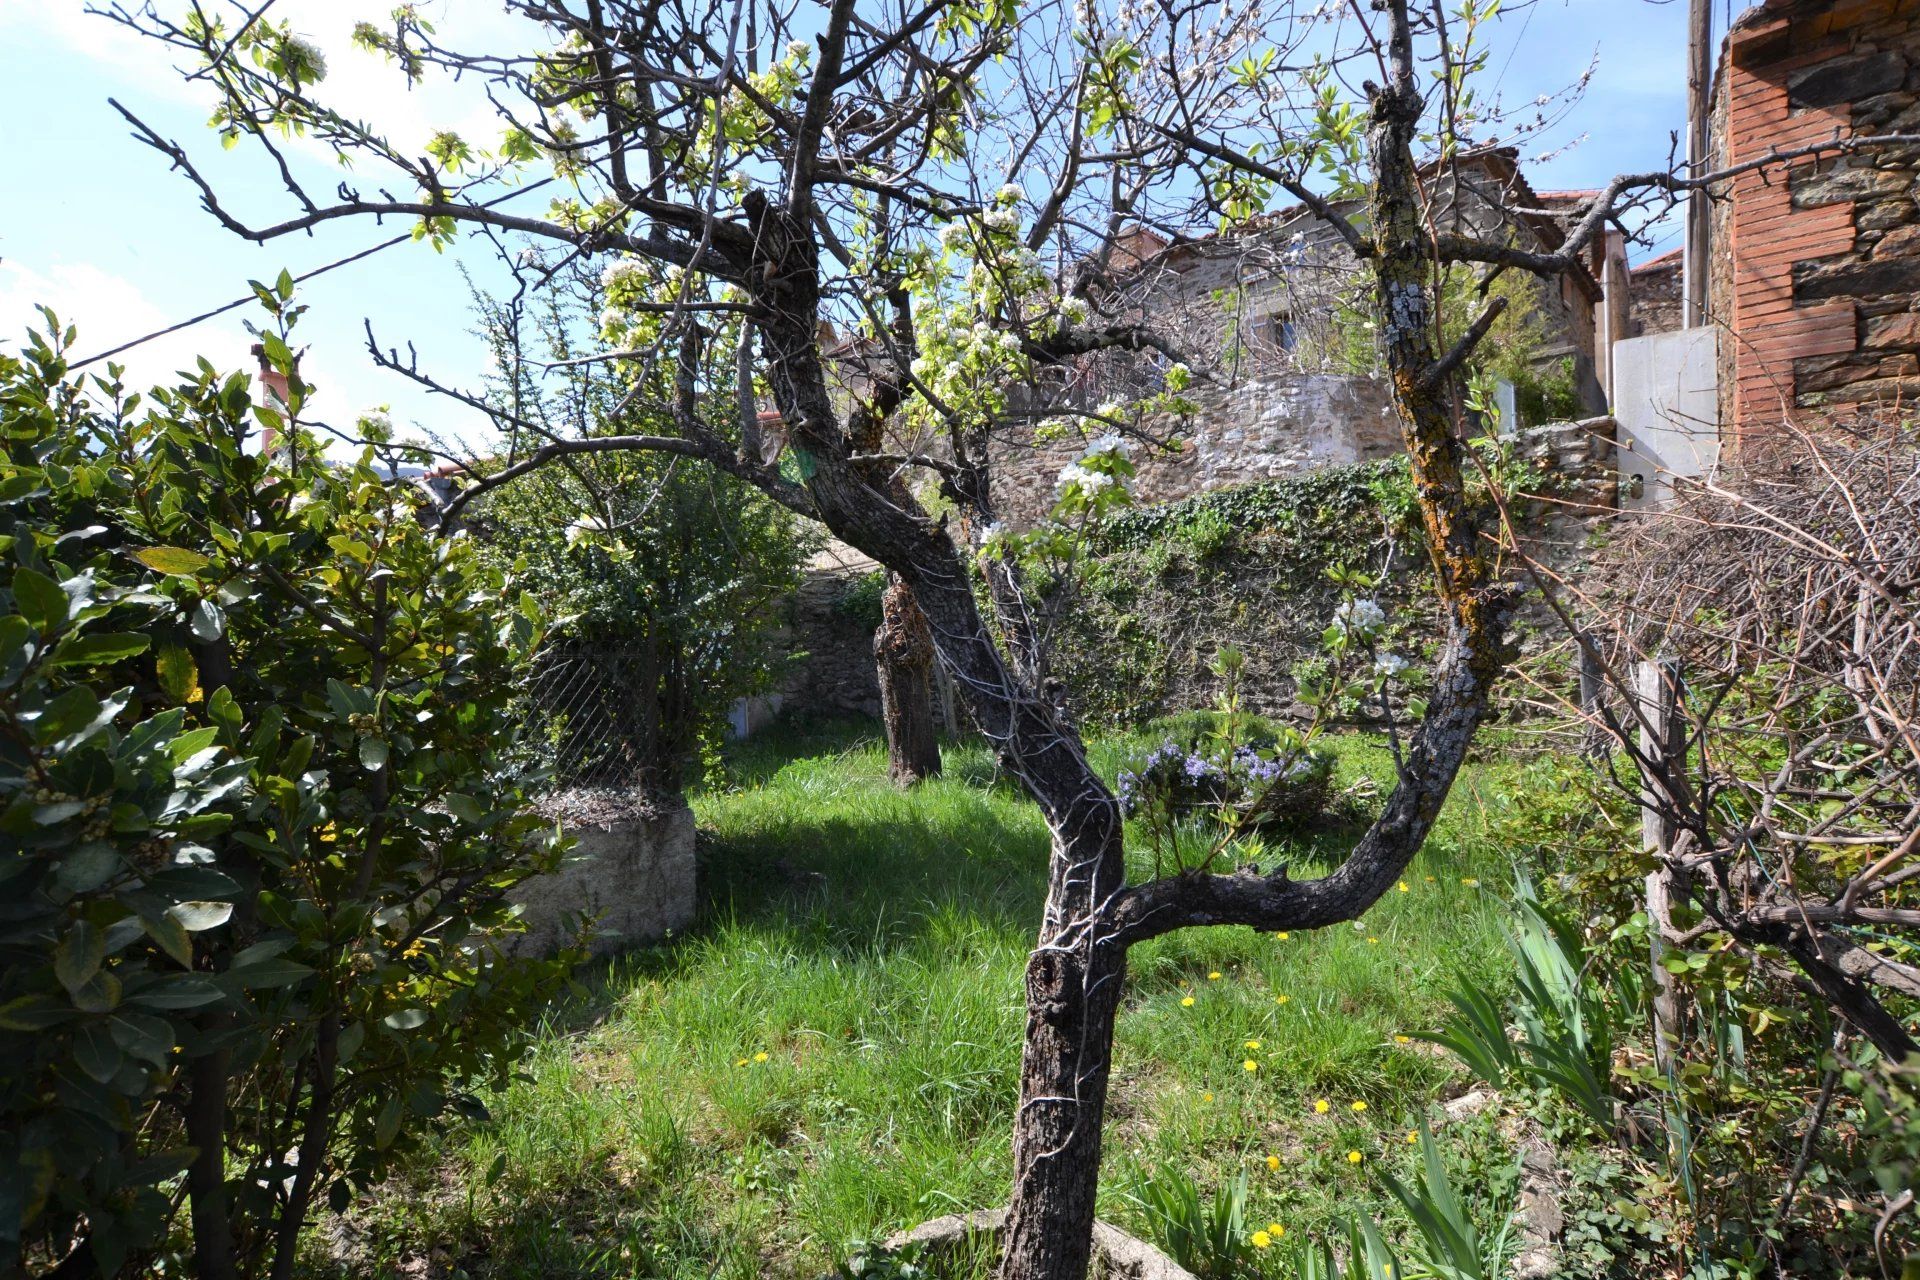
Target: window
1276	332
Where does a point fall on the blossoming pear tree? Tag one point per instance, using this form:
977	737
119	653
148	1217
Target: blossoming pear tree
951	183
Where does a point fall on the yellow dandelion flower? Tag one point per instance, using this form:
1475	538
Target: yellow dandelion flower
1206	1097
1402	886
1281	999
1214	976
1280	934
1354	1157
760	1056
1249	1065
1321	1107
1186	1002
1470	882
1262	1240
1273	1163
1275	1230
1358	1106
1253	1044
1413	1137
1373	942
1403	1039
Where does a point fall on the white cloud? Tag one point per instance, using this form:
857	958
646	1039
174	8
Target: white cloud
360	85
108	310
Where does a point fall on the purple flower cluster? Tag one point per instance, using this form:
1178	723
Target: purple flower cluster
1179	780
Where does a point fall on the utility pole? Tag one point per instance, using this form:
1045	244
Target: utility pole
1699	208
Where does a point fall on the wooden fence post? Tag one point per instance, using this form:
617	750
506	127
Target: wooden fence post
1663	755
1595	741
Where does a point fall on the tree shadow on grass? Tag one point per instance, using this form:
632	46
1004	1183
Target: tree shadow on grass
858	871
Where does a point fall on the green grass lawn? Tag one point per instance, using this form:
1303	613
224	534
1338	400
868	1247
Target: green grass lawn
831	1052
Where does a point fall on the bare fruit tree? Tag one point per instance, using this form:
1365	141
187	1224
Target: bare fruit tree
1767	614
951	181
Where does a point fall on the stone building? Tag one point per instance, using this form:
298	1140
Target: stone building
1287	375
1816	271
1657	295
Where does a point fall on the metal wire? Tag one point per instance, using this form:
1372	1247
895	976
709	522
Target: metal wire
585	714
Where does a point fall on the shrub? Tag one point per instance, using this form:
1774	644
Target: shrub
254	723
1261	784
663	578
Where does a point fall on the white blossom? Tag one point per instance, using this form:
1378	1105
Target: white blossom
1010	194
1109	443
1360	616
375	425
1389	665
1075	310
1073	475
798	48
306	56
619	269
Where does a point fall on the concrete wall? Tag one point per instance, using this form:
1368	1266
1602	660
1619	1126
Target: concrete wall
632	873
1667	405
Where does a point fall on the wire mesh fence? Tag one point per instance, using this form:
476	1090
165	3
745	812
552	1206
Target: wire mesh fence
586	714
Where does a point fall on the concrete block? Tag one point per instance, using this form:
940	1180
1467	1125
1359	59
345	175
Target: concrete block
631	873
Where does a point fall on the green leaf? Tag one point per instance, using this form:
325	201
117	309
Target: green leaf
209	622
97	651
33	1013
387	1127
95	1051
406	1019
38	598
178	991
88	867
101	993
269	973
70	711
172	937
177	672
172	560
373	754
196	917
78	956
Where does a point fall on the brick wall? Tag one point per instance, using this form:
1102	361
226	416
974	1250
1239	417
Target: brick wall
1819	266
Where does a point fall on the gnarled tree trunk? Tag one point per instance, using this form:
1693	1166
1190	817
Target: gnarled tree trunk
1075	978
903	658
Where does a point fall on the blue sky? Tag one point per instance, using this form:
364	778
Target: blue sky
94	225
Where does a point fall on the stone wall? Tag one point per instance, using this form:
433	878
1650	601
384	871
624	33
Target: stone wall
1823	271
1265	427
631	874
1155	604
831	672
1658	294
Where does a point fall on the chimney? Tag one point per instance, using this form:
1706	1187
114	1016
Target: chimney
273	394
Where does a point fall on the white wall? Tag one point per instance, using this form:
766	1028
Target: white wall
1666	399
